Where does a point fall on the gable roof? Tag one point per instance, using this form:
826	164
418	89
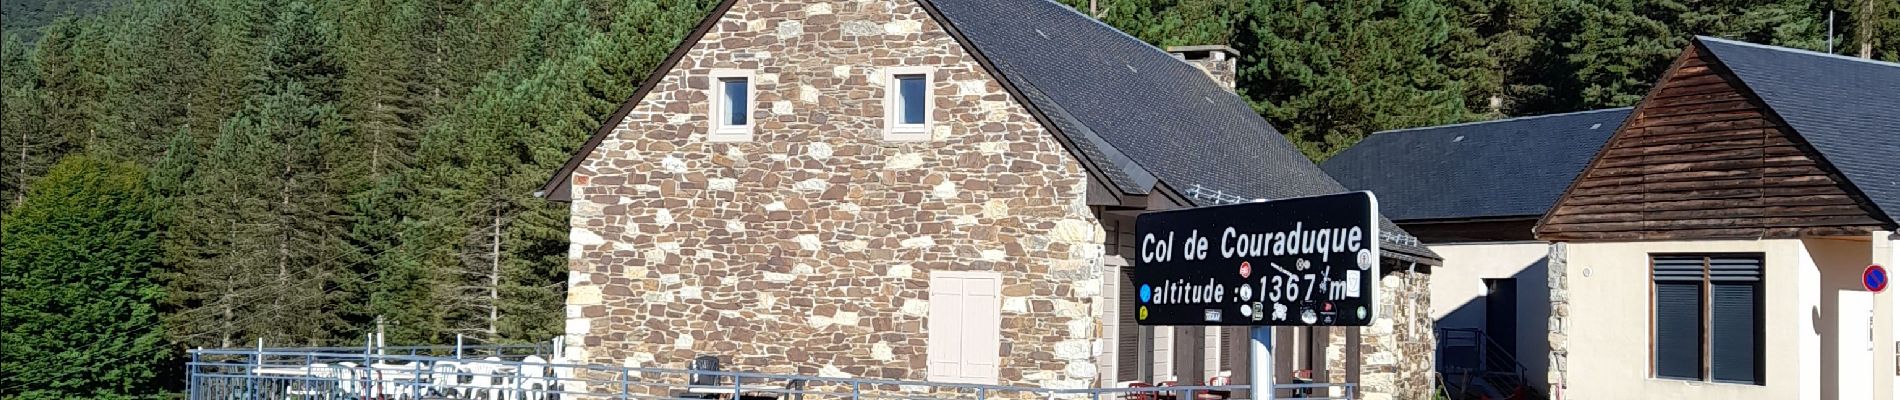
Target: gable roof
1140	119
1164	114
1847	108
1705	156
1508	168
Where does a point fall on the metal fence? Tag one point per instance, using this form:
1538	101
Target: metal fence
527	373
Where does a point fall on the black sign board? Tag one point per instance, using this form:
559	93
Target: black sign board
1310	261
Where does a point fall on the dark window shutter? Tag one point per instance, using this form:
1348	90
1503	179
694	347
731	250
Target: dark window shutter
1678	268
1128	331
1735	319
1678	313
1679	330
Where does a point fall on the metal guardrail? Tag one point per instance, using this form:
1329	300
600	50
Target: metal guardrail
265	373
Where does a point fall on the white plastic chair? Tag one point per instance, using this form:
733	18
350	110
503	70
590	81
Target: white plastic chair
562	376
445	379
348	379
489	381
390	379
532	379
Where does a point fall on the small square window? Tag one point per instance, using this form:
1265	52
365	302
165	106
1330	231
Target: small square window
732	105
907	104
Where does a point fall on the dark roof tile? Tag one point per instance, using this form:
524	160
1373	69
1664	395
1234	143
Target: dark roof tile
1149	112
1164	114
1514	167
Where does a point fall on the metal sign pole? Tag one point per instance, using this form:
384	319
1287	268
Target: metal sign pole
1260	374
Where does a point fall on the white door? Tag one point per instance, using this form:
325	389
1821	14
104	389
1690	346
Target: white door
1856	344
964	326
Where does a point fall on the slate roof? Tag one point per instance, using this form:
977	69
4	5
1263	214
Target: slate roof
1507	168
1110	93
1164	114
1847	108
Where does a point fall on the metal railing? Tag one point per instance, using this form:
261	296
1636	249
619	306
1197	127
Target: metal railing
1473	364
296	373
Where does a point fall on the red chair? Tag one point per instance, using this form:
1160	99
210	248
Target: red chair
1303	376
1166	395
1139	395
1212	394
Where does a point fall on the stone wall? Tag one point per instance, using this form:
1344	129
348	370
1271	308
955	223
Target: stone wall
808	250
1397	352
1559	317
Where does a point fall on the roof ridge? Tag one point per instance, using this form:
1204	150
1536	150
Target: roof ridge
1798	51
1502	120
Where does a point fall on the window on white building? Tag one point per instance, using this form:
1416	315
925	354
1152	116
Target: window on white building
1707	320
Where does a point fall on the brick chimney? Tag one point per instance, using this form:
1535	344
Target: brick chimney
1216	60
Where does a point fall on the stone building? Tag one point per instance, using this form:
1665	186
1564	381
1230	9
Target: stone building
931	190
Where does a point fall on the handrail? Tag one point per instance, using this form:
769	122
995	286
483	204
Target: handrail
1490	355
254	372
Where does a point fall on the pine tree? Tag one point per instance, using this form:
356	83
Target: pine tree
1327	75
263	207
27	145
232	65
381	100
64	89
1169	22
80	315
383	106
1869	28
121	122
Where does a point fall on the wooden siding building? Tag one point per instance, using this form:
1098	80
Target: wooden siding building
1703	157
1714	246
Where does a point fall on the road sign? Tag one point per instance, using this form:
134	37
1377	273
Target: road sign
1310	261
1874	278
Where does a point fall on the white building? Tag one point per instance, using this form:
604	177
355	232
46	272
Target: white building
1472	192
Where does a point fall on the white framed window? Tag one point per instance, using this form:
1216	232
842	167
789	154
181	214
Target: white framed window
964	337
907	103
734	101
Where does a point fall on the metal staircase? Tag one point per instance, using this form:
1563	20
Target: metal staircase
1472	366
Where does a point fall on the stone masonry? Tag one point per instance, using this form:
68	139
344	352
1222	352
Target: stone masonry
808	250
1396	351
1559	270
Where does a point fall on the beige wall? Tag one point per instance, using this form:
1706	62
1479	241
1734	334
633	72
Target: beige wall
1886	252
1458	293
1846	351
1809	325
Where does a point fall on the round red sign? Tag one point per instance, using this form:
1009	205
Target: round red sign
1874	278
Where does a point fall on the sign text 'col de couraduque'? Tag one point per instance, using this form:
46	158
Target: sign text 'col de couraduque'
1310	261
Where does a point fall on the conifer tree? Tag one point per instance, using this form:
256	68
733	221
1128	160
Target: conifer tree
27	145
263	206
80	317
64	89
1328	74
